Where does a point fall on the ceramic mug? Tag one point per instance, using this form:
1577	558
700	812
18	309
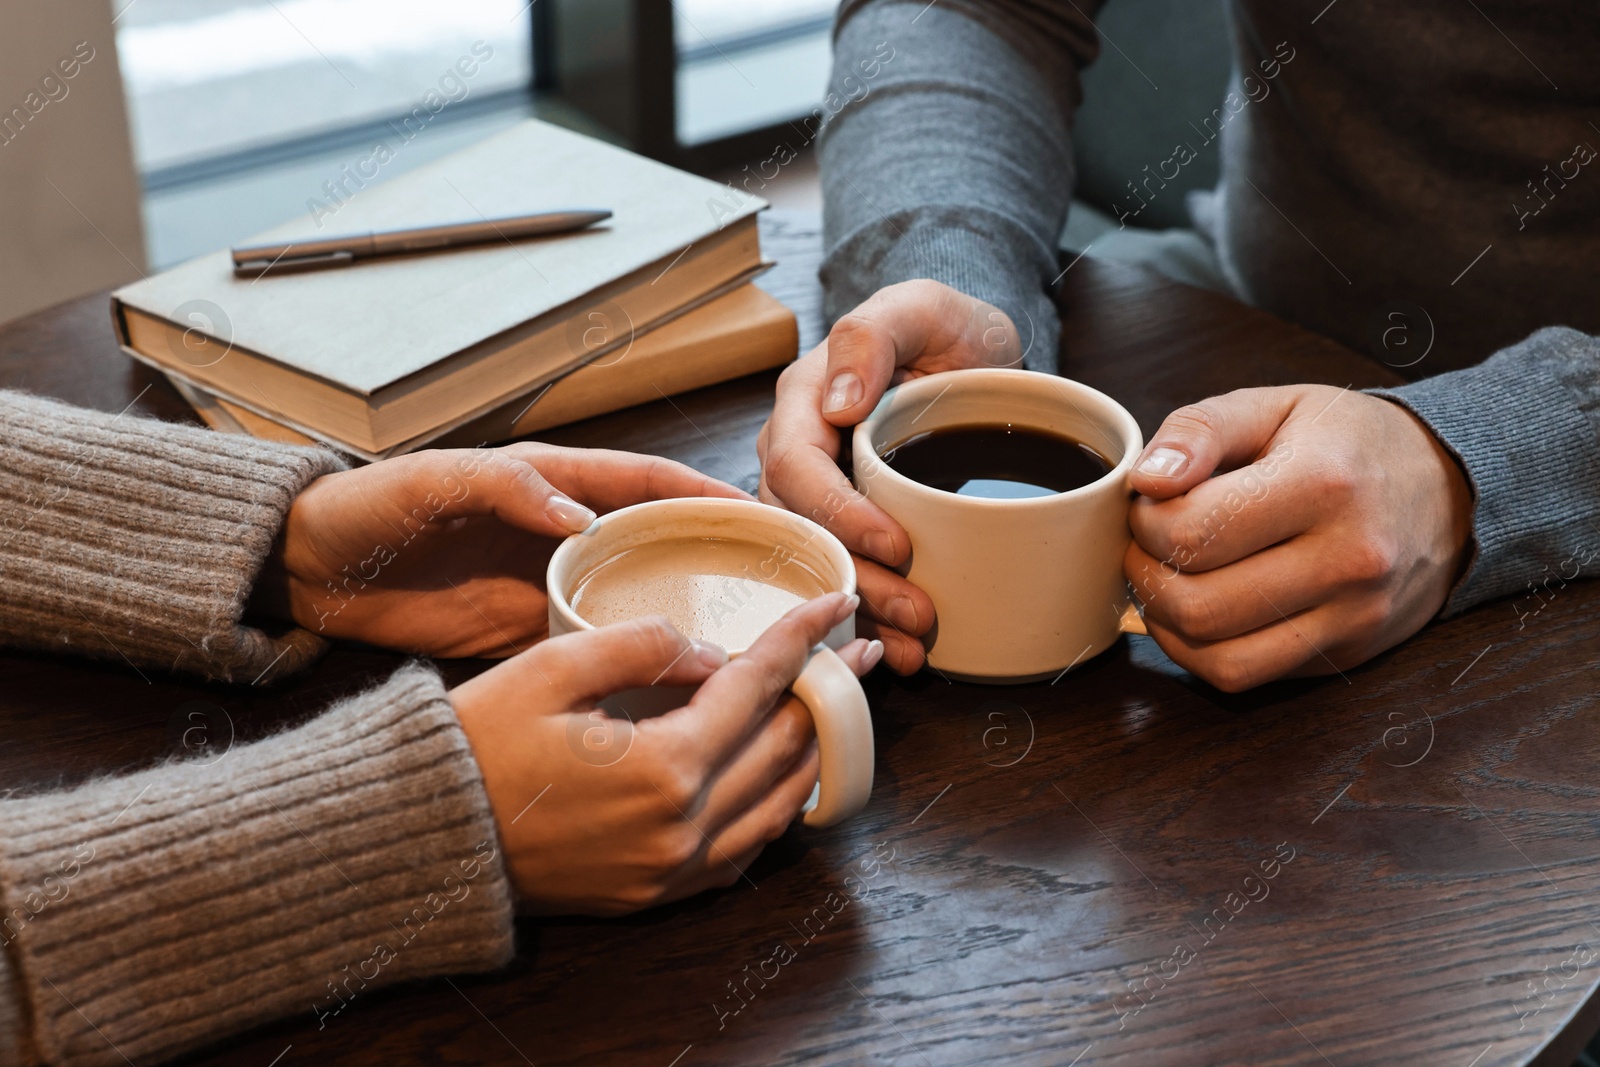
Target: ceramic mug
1022	589
829	689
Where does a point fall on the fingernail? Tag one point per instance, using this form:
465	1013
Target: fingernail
845	392
846	609
708	654
568	513
874	653
879	545
1164	463
902	611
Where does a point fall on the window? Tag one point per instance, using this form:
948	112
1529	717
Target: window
242	110
205	79
746	64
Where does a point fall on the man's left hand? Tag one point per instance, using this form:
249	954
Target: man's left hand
1292	531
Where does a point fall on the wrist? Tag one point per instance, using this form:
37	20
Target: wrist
1454	496
269	598
280	590
272	596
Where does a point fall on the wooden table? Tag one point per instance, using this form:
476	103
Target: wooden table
1029	852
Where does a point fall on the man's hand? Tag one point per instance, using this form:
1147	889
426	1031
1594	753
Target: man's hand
601	816
903	331
1293	531
444	552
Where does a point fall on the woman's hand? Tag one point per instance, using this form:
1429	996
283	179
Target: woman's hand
902	331
667	806
444	552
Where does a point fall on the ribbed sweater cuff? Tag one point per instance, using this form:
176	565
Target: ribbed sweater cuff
1531	455
128	538
151	914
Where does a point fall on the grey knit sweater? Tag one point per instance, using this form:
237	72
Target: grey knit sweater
1370	153
150	914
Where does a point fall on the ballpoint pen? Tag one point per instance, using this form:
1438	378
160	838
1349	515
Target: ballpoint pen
316	253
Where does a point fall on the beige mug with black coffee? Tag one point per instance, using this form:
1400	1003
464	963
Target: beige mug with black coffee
1026	580
723	571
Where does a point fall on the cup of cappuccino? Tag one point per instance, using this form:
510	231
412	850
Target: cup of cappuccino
723	571
1013	487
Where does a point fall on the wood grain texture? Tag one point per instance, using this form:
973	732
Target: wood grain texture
1028	851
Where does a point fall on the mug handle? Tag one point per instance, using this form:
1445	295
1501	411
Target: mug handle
1132	622
838	707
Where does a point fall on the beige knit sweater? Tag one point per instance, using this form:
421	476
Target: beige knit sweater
146	915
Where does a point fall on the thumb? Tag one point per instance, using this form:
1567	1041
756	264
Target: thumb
1220	433
458	483
896	326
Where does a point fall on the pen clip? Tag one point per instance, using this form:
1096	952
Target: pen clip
255	268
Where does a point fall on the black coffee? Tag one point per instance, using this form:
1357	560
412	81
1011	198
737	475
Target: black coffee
998	461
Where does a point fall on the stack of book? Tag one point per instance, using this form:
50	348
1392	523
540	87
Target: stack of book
498	340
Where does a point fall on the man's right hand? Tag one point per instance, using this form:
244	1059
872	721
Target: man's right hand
902	331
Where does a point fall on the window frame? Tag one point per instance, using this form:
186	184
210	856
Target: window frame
616	62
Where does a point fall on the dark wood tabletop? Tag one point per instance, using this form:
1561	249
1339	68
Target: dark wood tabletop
1398	866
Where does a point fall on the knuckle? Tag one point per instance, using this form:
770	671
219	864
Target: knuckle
680	788
1196	615
1180	541
1196	420
778	824
764	663
664	477
855	330
807	626
658	638
927	293
791	376
1337	480
904	655
925	288
1369	559
798	729
528	451
791	729
529	478
638	897
677	847
1229	672
517	474
776	676
779	464
501	467
806	367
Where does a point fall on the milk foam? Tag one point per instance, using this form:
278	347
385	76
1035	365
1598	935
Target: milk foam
722	591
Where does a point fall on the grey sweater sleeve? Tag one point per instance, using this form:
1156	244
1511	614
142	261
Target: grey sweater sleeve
1525	426
136	540
149	915
948	157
